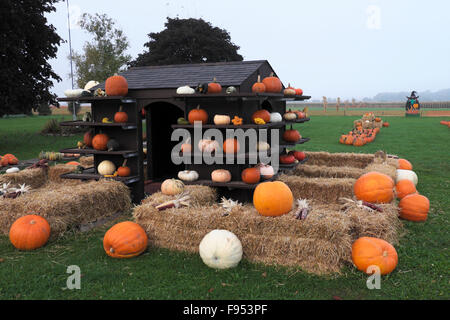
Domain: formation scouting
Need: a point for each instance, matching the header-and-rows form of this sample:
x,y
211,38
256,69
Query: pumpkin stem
x,y
111,250
385,253
33,222
198,106
120,108
124,163
259,78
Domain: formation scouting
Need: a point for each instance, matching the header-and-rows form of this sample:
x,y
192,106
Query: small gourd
x,y
172,187
12,170
185,90
289,91
275,117
188,175
221,119
221,175
231,90
290,116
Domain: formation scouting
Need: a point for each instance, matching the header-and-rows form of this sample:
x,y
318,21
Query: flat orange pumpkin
x,y
29,232
368,251
414,207
125,240
273,198
374,187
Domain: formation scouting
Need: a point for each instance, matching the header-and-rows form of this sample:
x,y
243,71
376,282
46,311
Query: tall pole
x,y
74,115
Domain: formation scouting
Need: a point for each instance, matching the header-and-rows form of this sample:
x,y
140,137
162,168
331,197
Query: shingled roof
x,y
173,76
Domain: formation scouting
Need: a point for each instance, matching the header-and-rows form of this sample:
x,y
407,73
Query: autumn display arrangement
x,y
333,210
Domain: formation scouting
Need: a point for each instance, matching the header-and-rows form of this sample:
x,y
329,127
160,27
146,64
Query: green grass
x,y
422,272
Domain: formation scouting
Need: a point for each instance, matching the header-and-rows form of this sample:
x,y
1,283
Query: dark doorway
x,y
160,116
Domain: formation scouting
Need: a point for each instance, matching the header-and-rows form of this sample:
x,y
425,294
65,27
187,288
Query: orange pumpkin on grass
x,y
116,86
29,232
405,187
369,251
374,187
273,198
125,240
9,159
414,207
404,164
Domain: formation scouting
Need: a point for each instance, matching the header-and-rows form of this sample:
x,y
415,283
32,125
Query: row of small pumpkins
x,y
261,116
114,86
270,84
375,187
359,137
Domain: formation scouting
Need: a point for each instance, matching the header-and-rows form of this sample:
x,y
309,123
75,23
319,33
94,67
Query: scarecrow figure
x,y
412,104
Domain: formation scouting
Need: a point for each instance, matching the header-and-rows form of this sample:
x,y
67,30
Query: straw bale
x,y
383,168
86,161
67,206
307,170
200,195
34,178
55,172
325,190
356,160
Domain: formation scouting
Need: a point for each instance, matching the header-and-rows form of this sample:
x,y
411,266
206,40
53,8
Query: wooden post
x,y
325,103
338,103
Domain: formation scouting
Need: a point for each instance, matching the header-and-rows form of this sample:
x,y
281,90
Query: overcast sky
x,y
345,48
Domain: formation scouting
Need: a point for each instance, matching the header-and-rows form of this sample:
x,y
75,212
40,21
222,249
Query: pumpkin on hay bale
x,y
67,207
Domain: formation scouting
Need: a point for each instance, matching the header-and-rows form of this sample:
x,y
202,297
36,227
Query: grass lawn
x,y
422,272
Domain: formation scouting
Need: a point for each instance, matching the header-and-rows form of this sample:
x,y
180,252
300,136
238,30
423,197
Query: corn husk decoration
x,y
302,210
229,205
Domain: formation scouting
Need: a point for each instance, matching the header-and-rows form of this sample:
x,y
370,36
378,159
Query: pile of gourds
x,y
374,188
8,159
365,131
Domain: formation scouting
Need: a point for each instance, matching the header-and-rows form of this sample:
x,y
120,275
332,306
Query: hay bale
x,y
86,161
55,172
391,171
318,244
67,206
34,178
307,170
323,190
356,160
200,196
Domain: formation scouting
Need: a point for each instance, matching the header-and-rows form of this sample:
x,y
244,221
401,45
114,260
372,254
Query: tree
x,y
27,43
105,55
188,41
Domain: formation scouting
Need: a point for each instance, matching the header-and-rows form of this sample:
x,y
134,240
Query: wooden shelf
x,y
285,144
231,184
125,126
123,153
297,121
93,176
93,99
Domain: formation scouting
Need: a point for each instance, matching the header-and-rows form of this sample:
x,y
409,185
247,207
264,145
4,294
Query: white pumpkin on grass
x,y
407,174
106,167
172,187
221,249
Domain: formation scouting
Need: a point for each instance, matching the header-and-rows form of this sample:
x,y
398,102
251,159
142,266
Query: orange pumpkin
x,y
405,187
350,139
369,251
3,161
121,116
116,86
259,86
73,163
273,84
263,114
374,187
125,240
124,171
198,115
385,124
221,175
342,138
87,138
298,92
359,141
29,232
231,146
9,159
273,198
404,164
100,141
291,135
251,175
414,207
214,87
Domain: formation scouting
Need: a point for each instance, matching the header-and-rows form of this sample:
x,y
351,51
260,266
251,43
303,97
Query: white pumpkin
x,y
188,175
12,170
208,145
266,171
262,146
91,84
221,249
275,117
185,90
172,187
73,93
106,167
407,174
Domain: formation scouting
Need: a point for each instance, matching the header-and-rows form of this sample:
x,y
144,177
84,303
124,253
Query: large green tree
x,y
188,41
105,54
27,42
